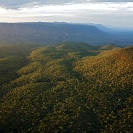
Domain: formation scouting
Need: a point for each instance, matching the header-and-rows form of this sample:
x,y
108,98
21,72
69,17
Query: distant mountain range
x,y
48,33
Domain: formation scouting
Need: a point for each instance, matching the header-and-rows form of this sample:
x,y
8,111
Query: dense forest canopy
x,y
66,87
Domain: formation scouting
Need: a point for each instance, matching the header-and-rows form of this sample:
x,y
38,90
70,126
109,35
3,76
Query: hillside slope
x,y
12,58
70,87
49,33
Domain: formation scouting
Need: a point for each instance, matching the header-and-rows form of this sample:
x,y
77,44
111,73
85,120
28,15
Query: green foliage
x,y
108,47
69,87
12,58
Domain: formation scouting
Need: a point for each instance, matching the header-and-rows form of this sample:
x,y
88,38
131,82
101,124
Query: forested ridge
x,y
47,33
66,87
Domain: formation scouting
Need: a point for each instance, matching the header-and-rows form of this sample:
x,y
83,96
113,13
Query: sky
x,y
106,12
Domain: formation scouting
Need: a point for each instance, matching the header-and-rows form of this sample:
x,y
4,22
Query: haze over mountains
x,y
65,77
49,33
65,67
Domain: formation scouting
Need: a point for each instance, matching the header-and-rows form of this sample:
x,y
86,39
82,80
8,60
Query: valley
x,y
66,87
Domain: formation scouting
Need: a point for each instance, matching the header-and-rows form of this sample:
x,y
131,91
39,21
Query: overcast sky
x,y
107,12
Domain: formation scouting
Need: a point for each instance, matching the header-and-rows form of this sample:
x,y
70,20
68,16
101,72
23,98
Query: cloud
x,y
22,3
70,9
111,0
15,4
97,11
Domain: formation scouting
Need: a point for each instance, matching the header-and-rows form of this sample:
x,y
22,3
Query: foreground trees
x,y
70,88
